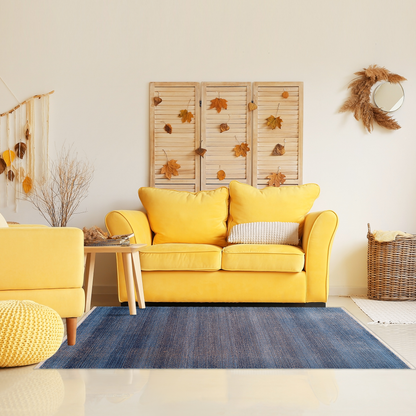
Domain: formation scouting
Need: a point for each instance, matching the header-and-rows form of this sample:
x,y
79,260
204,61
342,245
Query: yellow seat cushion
x,y
263,258
29,332
187,217
283,204
170,257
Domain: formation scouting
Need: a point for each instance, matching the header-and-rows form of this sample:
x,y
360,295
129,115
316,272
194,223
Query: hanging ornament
x,y
9,156
274,122
225,126
10,175
28,130
20,173
3,165
241,149
200,151
168,128
221,175
20,149
279,149
157,100
285,94
276,179
27,184
252,106
171,168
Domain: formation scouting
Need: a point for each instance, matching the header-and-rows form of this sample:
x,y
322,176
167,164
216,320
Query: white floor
x,y
219,392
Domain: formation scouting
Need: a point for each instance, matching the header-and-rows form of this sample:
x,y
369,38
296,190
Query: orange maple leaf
x,y
274,122
221,175
171,168
218,104
276,179
241,150
186,116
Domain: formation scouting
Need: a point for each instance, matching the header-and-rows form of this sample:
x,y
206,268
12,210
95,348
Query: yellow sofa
x,y
187,257
45,265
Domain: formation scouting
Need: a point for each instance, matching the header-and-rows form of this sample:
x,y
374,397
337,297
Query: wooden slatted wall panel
x,y
267,96
220,154
185,137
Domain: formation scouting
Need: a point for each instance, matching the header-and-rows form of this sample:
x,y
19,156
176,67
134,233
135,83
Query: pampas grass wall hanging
x,y
359,100
24,147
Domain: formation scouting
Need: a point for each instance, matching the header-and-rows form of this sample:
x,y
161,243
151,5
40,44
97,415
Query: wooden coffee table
x,y
132,272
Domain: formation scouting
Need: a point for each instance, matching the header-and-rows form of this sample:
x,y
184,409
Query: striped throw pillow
x,y
265,233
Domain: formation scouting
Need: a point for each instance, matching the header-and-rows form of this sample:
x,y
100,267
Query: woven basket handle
x,y
369,228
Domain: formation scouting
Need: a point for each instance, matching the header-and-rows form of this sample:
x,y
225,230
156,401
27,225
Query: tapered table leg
x,y
128,274
137,275
88,279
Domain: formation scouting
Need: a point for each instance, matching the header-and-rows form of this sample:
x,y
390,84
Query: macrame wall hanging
x,y
24,147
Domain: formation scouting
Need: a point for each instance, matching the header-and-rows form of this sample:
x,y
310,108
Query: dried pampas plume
x,y
359,100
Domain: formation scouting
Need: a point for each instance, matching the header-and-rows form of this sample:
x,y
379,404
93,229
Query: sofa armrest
x,y
41,258
318,236
126,222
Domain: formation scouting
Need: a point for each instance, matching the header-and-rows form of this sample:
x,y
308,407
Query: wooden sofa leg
x,y
71,330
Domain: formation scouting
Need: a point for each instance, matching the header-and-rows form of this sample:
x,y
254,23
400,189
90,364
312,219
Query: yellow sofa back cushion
x,y
187,217
284,204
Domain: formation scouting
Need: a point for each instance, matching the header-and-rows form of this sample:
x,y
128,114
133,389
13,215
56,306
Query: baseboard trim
x,y
347,291
236,304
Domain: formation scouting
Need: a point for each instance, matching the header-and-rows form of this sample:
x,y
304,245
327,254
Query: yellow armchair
x,y
45,265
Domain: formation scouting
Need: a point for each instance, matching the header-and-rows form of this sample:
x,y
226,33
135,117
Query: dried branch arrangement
x,y
58,197
359,101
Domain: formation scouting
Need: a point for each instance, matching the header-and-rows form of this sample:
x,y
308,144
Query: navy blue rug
x,y
223,337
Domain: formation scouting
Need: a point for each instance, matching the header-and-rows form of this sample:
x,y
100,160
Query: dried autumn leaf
x,y
186,116
241,150
20,149
3,165
9,156
200,151
27,185
279,150
171,168
157,101
276,179
10,175
221,175
285,94
252,106
224,127
274,122
168,128
218,104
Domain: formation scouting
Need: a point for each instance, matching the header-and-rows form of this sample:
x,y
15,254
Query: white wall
x,y
99,57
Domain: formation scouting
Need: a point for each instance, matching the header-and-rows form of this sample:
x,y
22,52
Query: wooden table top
x,y
113,249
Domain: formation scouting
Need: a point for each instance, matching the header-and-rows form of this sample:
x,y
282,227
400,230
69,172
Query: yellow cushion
x,y
263,258
284,204
3,222
29,333
180,257
187,217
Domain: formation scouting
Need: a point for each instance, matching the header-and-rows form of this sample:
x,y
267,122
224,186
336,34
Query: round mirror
x,y
389,97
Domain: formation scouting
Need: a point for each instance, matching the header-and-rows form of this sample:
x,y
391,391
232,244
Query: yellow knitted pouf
x,y
29,332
